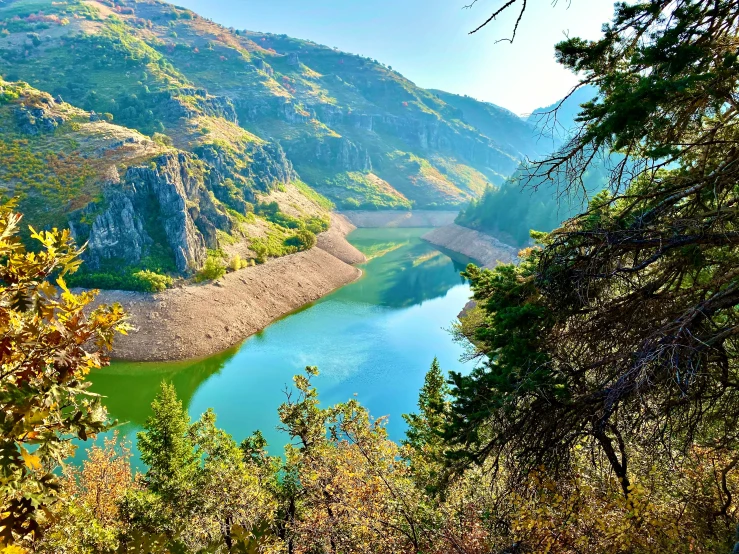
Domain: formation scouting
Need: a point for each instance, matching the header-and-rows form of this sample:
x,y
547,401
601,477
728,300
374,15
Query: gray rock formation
x,y
170,184
33,120
261,65
116,234
335,152
175,201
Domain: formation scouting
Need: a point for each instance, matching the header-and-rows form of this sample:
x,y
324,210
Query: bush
x,y
152,281
317,225
302,240
237,262
136,280
161,138
271,212
213,269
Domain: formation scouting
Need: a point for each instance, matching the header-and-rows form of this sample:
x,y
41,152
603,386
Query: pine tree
x,y
427,427
619,331
167,505
167,448
425,434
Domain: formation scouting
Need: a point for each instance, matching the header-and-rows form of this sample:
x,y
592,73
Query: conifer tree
x,y
620,329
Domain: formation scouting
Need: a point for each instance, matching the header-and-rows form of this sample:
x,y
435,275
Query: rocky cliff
x,y
179,198
140,203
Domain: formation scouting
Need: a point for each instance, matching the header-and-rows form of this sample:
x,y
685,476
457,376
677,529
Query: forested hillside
x,y
531,199
356,130
601,416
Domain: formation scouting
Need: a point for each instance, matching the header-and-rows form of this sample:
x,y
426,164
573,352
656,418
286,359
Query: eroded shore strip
x,y
200,320
488,250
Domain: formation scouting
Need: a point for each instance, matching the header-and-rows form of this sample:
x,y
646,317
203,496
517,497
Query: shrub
x,y
317,225
213,269
237,262
49,345
152,281
132,279
302,240
161,138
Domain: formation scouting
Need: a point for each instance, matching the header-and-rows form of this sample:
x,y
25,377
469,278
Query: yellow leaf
x,y
60,281
31,460
12,549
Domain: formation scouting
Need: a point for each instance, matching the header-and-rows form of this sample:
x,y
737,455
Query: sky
x,y
428,40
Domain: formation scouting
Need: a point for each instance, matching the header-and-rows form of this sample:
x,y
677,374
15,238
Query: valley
x,y
263,295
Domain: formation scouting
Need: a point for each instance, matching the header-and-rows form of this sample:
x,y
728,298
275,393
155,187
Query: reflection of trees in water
x,y
129,388
402,277
418,276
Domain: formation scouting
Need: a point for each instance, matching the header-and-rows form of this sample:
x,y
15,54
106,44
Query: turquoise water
x,y
374,338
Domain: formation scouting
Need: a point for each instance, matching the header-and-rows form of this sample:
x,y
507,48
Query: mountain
x,y
511,210
179,134
558,120
142,204
354,129
494,121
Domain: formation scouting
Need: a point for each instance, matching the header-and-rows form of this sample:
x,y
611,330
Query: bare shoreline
x,y
196,321
486,249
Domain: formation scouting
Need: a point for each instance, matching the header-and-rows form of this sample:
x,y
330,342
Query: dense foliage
x,y
342,485
617,333
602,417
524,203
48,344
530,199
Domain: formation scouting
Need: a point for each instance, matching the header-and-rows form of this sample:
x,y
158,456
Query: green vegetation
x,y
533,199
171,73
213,269
319,199
528,202
615,334
602,415
286,234
141,280
49,344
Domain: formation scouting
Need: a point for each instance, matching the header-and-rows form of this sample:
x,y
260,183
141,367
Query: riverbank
x,y
486,249
199,320
395,218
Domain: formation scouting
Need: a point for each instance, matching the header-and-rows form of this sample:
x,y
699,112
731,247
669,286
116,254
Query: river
x,y
374,338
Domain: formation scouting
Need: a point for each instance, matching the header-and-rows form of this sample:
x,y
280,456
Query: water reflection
x,y
129,388
404,271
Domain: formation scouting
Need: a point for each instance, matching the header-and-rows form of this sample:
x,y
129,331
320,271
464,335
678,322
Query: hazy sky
x,y
427,40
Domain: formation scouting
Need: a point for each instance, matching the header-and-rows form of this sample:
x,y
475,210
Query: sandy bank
x,y
200,320
394,218
488,250
334,241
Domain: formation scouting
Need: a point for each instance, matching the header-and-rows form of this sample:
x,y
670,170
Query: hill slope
x,y
355,130
143,204
519,205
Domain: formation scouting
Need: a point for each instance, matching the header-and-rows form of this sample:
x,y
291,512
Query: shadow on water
x,y
129,388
